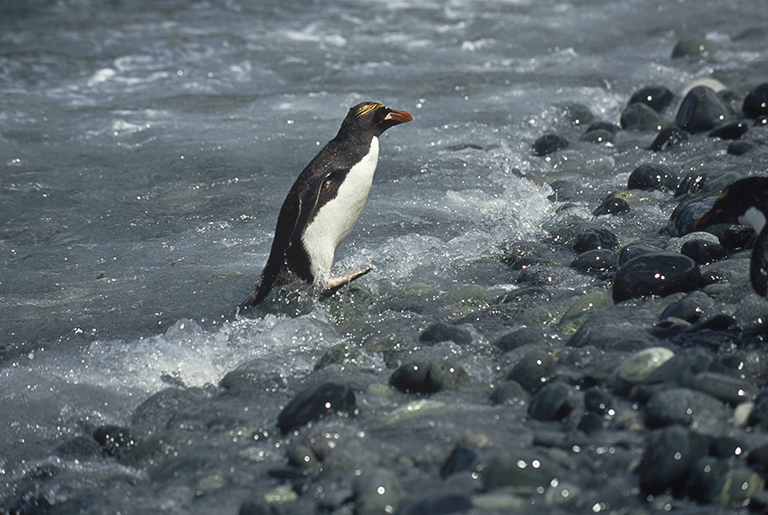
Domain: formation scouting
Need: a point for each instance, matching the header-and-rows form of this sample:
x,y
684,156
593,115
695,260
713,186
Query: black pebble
x,y
426,377
762,121
756,102
668,137
510,392
691,183
758,458
595,262
548,144
440,332
253,508
114,440
612,206
640,117
740,147
704,252
655,97
440,503
81,447
553,402
668,458
733,130
634,250
604,126
692,46
533,370
651,177
577,114
598,401
690,308
314,403
702,110
660,273
599,137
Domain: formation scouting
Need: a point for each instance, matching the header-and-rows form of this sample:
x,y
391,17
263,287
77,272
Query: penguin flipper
x,y
758,264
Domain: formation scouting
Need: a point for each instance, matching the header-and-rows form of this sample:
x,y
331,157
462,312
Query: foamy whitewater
x,y
146,148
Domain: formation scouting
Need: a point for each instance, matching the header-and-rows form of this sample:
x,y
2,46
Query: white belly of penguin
x,y
335,220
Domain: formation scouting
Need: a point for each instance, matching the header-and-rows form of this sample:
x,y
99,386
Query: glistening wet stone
x,y
612,206
533,370
441,332
756,102
733,130
668,458
314,403
657,98
548,144
652,177
668,137
428,377
640,117
661,273
702,110
684,407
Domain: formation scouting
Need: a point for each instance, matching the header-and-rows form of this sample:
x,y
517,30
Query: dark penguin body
x,y
325,202
745,202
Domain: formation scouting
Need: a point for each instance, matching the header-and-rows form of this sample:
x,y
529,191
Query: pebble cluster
x,y
644,392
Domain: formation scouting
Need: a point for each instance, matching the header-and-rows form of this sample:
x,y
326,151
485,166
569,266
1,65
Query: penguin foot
x,y
337,282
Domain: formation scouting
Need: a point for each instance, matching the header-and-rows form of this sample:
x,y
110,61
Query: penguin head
x,y
372,117
743,202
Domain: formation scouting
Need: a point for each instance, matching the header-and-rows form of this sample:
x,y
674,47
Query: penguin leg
x,y
337,282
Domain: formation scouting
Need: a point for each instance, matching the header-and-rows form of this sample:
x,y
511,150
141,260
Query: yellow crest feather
x,y
367,108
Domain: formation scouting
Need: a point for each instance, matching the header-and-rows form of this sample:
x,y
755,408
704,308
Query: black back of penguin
x,y
294,255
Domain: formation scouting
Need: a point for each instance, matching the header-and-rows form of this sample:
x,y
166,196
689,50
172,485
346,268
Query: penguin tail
x,y
258,294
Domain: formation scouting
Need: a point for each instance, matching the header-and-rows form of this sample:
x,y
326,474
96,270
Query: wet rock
x,y
651,177
114,440
510,393
612,206
598,137
577,114
516,468
376,492
677,244
668,137
427,377
533,370
668,458
702,110
690,308
733,130
548,144
599,402
686,214
757,458
595,262
692,47
657,98
581,310
726,447
640,117
537,275
758,417
253,508
684,407
691,183
634,250
438,503
253,375
553,402
704,252
440,332
762,121
609,334
736,486
314,403
524,336
80,447
756,102
595,239
604,126
153,415
661,273
703,475
641,364
741,147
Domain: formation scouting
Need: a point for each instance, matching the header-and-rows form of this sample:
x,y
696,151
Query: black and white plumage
x,y
325,202
745,202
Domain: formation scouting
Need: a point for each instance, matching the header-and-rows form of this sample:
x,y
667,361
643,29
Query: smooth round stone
x,y
339,354
668,137
114,440
426,377
553,402
517,468
440,332
757,458
662,274
80,447
640,365
590,423
702,110
726,447
612,206
439,503
702,477
604,126
510,393
704,252
732,390
683,367
595,239
690,308
634,250
762,121
640,117
599,137
684,407
523,336
651,177
741,147
472,295
253,375
656,97
253,508
595,262
736,486
668,458
376,491
759,414
733,130
756,102
577,114
315,403
537,275
676,244
587,303
533,370
691,183
692,47
548,144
